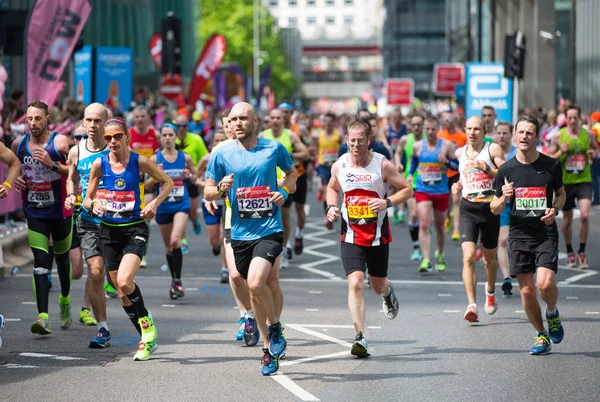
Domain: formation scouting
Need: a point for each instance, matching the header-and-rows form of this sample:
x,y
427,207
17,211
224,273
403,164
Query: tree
x,y
234,20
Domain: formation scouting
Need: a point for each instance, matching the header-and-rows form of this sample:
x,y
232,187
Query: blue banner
x,y
114,77
486,85
83,75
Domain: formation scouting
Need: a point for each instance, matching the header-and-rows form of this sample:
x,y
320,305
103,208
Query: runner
x,y
43,155
245,171
574,147
395,130
361,176
404,153
532,182
478,167
144,141
449,132
173,213
80,162
430,159
123,236
300,155
192,145
488,114
504,139
326,141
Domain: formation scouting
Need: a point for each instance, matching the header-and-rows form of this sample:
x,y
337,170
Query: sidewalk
x,y
14,248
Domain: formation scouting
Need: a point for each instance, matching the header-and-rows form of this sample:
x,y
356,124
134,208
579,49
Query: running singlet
x,y
360,225
286,140
395,135
459,138
46,190
575,162
123,193
85,160
255,177
477,185
193,145
328,147
511,153
432,175
145,145
178,199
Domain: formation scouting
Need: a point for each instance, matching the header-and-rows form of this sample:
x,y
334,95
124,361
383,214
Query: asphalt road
x,y
428,353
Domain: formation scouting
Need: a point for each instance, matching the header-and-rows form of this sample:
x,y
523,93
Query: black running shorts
x,y
526,256
476,218
193,190
89,233
244,251
363,258
116,241
581,191
300,195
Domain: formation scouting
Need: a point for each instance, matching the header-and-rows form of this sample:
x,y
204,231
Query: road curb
x,y
15,250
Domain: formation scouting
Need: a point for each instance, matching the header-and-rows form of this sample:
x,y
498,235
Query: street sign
x,y
400,91
486,85
446,76
171,87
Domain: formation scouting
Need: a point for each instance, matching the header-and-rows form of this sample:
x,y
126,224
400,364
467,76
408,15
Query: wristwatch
x,y
219,188
556,211
487,168
55,166
388,202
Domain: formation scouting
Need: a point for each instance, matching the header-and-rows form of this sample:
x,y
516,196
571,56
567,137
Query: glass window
x,y
330,2
349,2
292,3
330,20
310,2
292,21
311,20
273,3
348,20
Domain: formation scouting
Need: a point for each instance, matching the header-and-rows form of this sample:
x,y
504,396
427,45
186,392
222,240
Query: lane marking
x,y
224,290
54,357
204,288
13,366
294,388
324,258
214,289
194,289
319,335
451,311
168,305
372,327
519,312
572,298
12,319
315,292
28,303
313,358
331,326
312,309
444,295
592,312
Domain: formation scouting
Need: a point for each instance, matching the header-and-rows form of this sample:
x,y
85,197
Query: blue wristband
x,y
284,193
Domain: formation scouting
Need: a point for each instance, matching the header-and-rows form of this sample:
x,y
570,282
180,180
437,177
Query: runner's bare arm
x,y
72,179
593,151
560,196
499,203
93,183
554,148
62,146
300,151
333,194
194,177
400,153
202,166
166,184
20,182
497,156
290,180
14,168
149,183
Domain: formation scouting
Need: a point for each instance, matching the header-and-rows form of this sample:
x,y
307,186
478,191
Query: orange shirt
x,y
459,138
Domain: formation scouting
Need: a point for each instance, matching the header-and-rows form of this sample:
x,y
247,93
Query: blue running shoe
x,y
277,342
241,325
49,281
251,332
555,328
197,226
270,363
101,340
542,344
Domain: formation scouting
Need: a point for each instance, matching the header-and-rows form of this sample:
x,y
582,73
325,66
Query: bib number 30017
x,y
254,202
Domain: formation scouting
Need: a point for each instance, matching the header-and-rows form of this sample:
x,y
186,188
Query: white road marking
x,y
372,327
576,278
572,298
444,295
168,305
312,309
12,319
451,311
330,326
307,331
592,312
191,288
313,358
315,292
28,303
294,388
324,258
54,357
13,366
519,312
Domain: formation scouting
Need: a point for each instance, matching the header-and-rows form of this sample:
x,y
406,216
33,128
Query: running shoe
x,y
425,265
145,349
1,328
288,253
224,275
251,333
197,226
478,252
270,363
65,311
583,264
42,325
110,291
86,317
148,329
390,304
542,344
555,328
571,260
177,291
277,342
144,262
101,340
216,251
185,250
440,264
283,260
507,286
455,235
319,196
416,254
471,314
448,225
360,346
491,304
298,245
241,322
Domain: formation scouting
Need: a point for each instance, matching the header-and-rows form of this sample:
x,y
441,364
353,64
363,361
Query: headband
x,y
115,120
285,105
170,125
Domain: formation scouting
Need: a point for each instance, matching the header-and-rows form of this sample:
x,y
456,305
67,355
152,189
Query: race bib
x,y
359,212
40,195
119,204
478,186
575,163
329,156
530,201
254,202
431,175
178,191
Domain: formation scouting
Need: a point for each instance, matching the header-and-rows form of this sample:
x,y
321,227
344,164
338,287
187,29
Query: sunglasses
x,y
80,137
116,137
181,125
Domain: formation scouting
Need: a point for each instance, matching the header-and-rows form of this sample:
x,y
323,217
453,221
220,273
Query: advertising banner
x,y
446,76
83,75
486,85
400,92
114,76
209,61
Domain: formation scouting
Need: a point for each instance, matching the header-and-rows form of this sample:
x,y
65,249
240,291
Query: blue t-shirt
x,y
254,175
375,146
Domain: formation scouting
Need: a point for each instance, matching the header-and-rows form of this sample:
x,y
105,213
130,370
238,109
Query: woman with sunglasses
x,y
123,231
172,214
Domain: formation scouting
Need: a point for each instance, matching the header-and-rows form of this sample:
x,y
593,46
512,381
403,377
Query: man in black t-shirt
x,y
532,182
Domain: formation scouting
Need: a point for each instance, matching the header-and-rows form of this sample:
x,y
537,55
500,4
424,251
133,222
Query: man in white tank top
x,y
478,165
362,176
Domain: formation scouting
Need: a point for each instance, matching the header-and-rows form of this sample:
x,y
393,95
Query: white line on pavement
x,y
313,358
315,292
168,305
307,331
519,312
294,388
55,357
191,289
444,295
330,326
592,312
13,366
12,319
572,298
451,311
28,302
312,309
321,242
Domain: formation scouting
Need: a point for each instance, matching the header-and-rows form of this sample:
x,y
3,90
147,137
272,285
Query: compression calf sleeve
x,y
138,301
41,288
177,259
131,312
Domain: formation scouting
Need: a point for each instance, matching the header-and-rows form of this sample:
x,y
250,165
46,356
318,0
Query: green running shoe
x,y
416,254
42,325
425,266
65,311
86,317
110,291
148,329
144,351
360,346
441,262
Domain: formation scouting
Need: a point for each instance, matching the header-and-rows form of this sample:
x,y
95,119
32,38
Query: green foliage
x,y
234,20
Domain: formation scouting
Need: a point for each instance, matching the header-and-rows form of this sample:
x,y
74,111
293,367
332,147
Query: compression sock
x,y
581,248
138,301
133,317
177,259
569,248
414,233
170,264
41,288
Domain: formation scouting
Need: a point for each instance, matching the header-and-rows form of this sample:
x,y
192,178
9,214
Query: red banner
x,y
155,47
446,76
53,27
400,92
209,61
